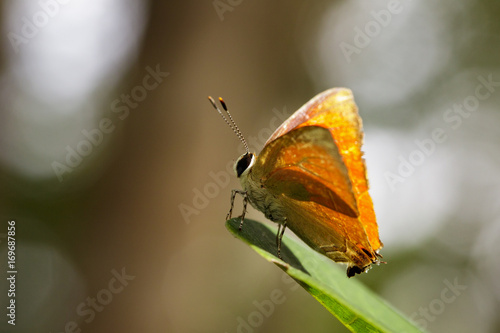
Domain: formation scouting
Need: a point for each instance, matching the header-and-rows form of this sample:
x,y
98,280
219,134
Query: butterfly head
x,y
243,165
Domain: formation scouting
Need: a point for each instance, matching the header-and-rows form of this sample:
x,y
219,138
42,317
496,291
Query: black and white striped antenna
x,y
230,123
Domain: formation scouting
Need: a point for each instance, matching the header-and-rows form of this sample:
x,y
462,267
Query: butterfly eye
x,y
243,163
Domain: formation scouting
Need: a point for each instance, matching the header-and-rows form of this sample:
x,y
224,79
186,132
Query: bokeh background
x,y
112,161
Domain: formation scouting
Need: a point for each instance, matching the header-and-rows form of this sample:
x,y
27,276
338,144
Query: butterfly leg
x,y
279,236
245,201
233,195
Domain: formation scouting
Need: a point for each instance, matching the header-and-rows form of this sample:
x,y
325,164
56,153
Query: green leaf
x,y
356,306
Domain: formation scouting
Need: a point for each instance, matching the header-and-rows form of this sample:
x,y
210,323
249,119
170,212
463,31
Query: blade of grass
x,y
356,306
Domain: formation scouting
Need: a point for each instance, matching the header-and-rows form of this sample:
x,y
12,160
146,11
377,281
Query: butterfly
x,y
310,177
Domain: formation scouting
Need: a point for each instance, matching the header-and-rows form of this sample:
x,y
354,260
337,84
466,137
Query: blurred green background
x,y
114,165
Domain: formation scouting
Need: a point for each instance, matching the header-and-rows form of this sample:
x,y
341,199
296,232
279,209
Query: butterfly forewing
x,y
336,110
305,165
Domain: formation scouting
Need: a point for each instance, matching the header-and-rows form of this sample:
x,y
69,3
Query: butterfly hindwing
x,y
304,170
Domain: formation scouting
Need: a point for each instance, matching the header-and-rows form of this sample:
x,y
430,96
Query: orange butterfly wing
x,y
303,170
305,165
336,110
314,163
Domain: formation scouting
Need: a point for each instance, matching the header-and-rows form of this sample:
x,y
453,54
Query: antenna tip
x,y
223,103
212,101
